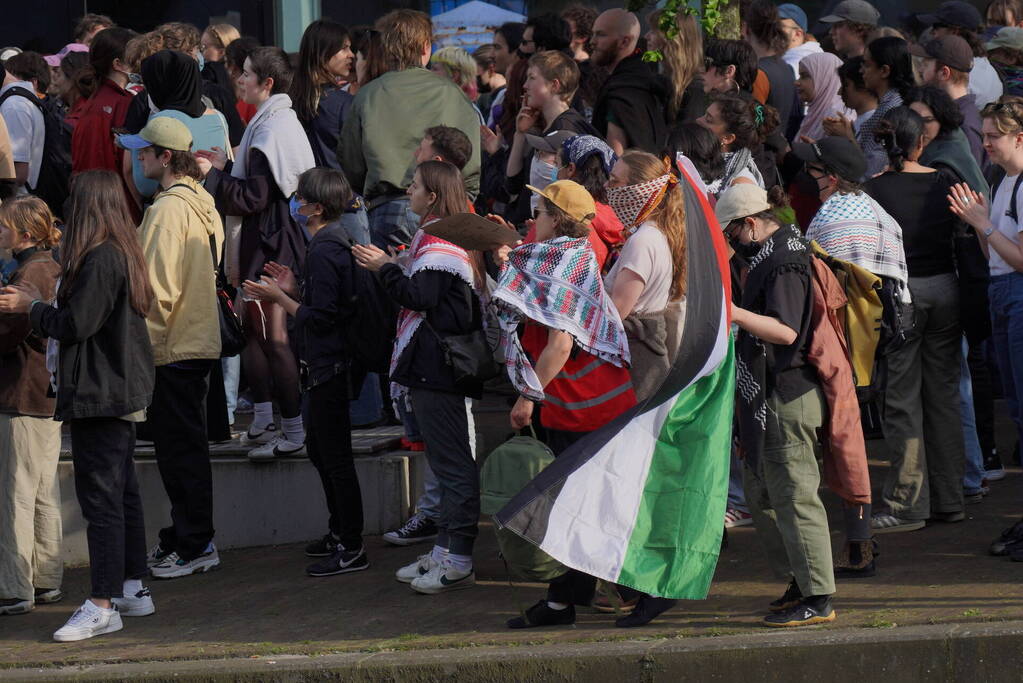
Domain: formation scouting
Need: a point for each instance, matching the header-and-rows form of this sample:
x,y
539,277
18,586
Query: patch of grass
x,y
881,619
973,612
406,637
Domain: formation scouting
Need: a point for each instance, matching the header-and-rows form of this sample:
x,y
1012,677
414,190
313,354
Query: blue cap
x,y
793,12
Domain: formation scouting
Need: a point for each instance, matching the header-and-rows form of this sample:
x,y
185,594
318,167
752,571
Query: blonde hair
x,y
141,47
459,66
223,34
1007,113
669,216
29,214
404,33
683,56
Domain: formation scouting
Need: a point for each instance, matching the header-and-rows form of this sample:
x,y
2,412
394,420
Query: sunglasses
x,y
1008,107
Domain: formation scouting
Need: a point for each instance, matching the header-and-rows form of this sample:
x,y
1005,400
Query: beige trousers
x,y
30,525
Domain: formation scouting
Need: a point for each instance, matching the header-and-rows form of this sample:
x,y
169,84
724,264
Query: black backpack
x,y
54,183
370,335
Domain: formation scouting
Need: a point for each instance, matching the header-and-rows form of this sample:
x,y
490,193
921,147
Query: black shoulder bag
x,y
232,338
468,355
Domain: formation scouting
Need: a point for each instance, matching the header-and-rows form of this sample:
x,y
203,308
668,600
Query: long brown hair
x,y
683,56
99,214
670,214
29,214
445,180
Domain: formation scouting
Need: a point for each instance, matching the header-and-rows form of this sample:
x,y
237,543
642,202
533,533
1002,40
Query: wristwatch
x,y
990,231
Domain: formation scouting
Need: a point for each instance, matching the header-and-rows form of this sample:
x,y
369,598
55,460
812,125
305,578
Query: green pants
x,y
782,495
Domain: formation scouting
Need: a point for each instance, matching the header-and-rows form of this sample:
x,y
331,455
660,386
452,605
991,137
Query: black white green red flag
x,y
641,501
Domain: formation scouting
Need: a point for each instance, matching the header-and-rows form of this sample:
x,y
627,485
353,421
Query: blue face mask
x,y
554,173
294,205
202,62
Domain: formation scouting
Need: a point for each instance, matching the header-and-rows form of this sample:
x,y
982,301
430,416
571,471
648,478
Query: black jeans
x,y
177,424
445,421
329,443
108,492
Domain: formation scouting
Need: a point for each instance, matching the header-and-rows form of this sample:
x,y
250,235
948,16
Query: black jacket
x,y
447,302
634,98
106,363
327,295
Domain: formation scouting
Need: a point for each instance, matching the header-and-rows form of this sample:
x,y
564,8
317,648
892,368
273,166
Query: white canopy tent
x,y
470,25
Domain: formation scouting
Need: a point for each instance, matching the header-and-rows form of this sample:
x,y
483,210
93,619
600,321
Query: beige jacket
x,y
183,321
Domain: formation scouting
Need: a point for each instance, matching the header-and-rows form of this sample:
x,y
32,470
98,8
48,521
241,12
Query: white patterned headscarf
x,y
633,204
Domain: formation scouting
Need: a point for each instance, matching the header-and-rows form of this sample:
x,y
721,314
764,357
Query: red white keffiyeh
x,y
633,204
426,253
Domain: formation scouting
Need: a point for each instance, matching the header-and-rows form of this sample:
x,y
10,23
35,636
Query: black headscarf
x,y
172,81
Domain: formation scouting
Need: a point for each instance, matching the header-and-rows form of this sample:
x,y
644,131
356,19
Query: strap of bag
x,y
1012,212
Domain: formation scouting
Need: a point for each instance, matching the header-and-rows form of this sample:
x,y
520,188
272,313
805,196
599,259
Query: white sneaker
x,y
420,567
88,621
443,578
260,436
156,555
174,567
138,605
279,447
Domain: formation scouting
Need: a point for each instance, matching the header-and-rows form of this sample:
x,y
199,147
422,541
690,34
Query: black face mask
x,y
746,251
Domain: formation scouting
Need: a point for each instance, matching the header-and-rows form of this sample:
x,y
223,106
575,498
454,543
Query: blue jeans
x,y
1006,299
368,407
356,224
392,223
974,457
232,367
736,493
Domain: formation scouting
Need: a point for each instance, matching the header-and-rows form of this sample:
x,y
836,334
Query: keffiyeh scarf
x,y
556,283
735,163
426,253
854,228
785,249
633,204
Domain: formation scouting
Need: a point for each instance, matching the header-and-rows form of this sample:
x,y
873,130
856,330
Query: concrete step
x,y
261,504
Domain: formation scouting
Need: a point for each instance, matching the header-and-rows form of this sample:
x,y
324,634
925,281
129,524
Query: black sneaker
x,y
416,530
542,615
786,602
341,562
806,613
1010,540
324,547
647,609
45,596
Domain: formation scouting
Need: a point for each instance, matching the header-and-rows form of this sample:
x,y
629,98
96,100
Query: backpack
x,y
506,471
371,337
54,183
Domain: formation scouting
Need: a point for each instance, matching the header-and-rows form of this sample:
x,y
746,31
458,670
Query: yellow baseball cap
x,y
162,131
570,197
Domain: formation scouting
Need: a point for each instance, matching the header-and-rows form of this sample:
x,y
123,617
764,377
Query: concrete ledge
x,y
986,652
257,504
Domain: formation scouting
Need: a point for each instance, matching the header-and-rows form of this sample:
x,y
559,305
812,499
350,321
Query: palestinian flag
x,y
641,501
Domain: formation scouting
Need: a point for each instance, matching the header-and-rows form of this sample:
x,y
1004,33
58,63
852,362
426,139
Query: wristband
x,y
990,231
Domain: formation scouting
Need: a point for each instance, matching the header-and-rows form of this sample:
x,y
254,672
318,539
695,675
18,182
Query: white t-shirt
x,y
984,82
27,130
647,254
1004,224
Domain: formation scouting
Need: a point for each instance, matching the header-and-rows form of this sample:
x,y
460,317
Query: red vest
x,y
586,394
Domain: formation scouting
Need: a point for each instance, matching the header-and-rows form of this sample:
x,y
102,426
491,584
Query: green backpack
x,y
506,471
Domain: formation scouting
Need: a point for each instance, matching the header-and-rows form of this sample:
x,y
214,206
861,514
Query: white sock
x,y
294,430
460,563
558,606
262,415
131,587
438,554
90,606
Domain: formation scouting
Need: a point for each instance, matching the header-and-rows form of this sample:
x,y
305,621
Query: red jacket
x,y
92,143
845,451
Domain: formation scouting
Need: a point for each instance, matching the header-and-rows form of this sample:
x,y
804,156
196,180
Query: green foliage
x,y
668,23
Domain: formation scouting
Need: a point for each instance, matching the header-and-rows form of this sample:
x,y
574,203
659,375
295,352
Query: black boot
x,y
647,609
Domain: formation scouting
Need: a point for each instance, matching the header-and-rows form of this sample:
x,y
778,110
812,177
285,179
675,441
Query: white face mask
x,y
540,173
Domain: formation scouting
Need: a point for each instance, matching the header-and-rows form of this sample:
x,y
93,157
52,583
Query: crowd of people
x,y
200,226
